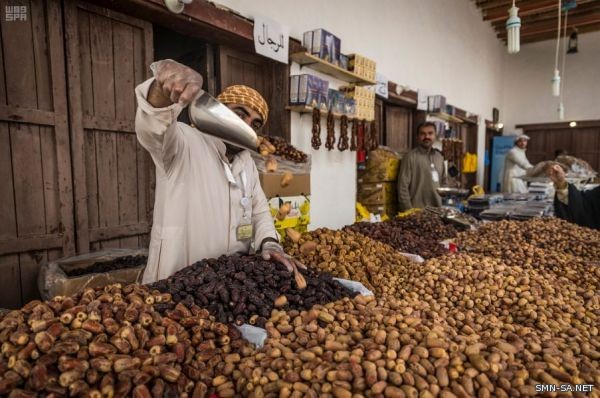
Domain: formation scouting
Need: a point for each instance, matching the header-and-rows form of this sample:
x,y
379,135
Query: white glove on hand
x,y
273,251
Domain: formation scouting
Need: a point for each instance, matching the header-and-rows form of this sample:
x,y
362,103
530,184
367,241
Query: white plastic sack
x,y
356,287
253,334
414,257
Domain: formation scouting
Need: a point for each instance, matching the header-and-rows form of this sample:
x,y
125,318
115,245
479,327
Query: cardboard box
x,y
323,44
53,280
312,91
382,166
271,185
377,193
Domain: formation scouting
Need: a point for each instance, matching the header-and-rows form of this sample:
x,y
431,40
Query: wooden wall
x,y
74,177
36,223
582,141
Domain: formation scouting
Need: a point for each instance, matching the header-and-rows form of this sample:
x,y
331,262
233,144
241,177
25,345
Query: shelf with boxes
x,y
308,92
318,64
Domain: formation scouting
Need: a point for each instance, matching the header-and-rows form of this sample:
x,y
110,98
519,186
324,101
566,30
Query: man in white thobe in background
x,y
516,165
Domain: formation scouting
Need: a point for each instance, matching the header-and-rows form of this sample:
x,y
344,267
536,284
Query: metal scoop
x,y
213,118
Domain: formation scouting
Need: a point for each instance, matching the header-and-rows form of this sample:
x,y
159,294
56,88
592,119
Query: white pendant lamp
x,y
556,77
513,28
561,111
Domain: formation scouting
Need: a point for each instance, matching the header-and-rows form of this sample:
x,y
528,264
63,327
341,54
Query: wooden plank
x,y
50,180
30,263
17,47
61,131
108,192
8,221
127,184
26,115
10,283
91,179
537,28
28,182
103,80
77,132
107,13
106,233
3,100
143,168
106,124
85,64
32,243
43,78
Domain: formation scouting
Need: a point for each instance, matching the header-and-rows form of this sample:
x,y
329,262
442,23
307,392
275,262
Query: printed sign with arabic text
x,y
271,39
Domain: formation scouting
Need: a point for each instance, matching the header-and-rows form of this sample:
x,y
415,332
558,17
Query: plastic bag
x,y
253,334
53,280
354,286
414,257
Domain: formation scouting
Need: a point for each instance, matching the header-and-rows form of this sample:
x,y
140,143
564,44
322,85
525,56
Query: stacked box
x,y
362,66
308,90
323,44
336,101
377,193
364,101
377,185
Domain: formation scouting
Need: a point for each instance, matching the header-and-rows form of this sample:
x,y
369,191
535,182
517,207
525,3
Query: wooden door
x,y
537,147
108,54
269,78
586,145
380,121
36,223
398,128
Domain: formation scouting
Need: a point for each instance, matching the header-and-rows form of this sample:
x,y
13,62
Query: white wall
x,y
527,96
442,46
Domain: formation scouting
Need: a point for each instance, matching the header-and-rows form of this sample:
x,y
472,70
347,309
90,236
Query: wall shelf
x,y
309,109
446,117
316,63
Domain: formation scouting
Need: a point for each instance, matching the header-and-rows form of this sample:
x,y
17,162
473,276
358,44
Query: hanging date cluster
x,y
316,129
343,141
330,142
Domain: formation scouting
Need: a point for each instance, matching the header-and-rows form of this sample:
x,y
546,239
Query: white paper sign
x,y
422,97
381,87
271,39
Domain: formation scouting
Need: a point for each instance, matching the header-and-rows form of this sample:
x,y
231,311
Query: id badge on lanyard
x,y
434,174
244,231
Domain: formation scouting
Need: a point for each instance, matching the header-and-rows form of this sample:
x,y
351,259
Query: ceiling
x,y
539,18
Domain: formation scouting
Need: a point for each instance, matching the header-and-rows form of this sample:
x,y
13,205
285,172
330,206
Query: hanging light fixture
x,y
561,108
573,42
513,28
556,77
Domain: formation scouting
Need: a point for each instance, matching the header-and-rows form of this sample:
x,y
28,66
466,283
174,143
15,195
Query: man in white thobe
x,y
209,201
515,166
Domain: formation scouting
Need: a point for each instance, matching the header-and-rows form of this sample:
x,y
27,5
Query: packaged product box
x,y
436,103
323,44
294,89
312,90
378,193
336,101
344,61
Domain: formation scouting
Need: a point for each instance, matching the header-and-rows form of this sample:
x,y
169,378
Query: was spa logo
x,y
14,13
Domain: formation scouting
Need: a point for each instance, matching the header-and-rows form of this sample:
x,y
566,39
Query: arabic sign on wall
x,y
271,39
